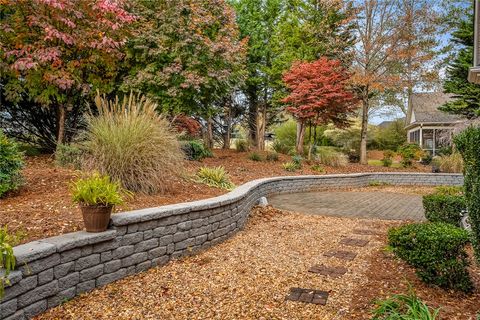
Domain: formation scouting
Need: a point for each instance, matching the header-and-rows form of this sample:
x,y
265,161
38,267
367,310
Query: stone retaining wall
x,y
52,270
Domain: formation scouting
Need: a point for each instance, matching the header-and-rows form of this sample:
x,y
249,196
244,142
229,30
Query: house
x,y
474,72
427,126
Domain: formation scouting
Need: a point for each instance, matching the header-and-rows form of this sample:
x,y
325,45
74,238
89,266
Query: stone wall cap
x,y
78,239
31,251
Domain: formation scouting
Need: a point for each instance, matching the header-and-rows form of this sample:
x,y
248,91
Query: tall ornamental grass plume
x,y
130,142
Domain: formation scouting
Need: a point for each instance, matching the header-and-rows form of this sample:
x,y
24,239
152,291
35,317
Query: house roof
x,y
423,108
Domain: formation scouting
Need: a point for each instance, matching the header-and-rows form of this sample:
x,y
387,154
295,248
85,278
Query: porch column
x,y
434,142
421,137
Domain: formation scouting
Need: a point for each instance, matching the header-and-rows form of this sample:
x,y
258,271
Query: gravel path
x,y
246,277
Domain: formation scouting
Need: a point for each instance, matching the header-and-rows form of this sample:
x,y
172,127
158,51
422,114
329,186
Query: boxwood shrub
x,y
444,208
436,250
11,164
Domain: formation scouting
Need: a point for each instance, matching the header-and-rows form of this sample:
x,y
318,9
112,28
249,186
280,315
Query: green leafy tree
x,y
466,94
55,52
185,55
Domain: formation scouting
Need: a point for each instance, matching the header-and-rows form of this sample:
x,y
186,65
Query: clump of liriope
x,y
215,177
132,143
7,259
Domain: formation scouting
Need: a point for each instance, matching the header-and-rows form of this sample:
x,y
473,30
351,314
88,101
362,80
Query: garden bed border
x,y
52,270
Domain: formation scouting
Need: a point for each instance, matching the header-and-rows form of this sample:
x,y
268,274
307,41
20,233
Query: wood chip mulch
x,y
246,277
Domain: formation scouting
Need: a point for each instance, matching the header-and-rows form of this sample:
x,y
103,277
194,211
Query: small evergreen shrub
x,y
69,156
404,307
242,145
129,141
195,150
11,164
290,166
297,160
329,156
97,190
387,159
255,156
436,250
409,153
444,208
272,156
449,163
215,177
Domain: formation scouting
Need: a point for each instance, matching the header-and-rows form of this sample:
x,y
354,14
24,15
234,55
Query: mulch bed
x,y
43,207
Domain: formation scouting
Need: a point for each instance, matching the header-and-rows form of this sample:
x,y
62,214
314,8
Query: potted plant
x,y
97,195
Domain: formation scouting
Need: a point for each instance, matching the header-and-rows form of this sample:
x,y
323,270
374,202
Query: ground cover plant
x,y
11,164
255,156
436,250
130,142
215,177
404,307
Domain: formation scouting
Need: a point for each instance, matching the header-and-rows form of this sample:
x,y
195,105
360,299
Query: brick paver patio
x,y
376,205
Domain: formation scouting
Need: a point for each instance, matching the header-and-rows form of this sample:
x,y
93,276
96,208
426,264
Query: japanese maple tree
x,y
319,94
54,51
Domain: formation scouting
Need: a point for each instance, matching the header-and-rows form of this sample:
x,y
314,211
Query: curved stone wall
x,y
55,269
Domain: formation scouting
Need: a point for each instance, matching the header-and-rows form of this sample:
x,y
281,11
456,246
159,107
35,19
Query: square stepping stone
x,y
340,254
328,271
307,296
367,232
352,242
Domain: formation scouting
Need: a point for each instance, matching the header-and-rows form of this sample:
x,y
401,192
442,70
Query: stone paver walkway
x,y
376,205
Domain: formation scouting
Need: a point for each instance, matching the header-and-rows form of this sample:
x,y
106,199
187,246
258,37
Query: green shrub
x,y
449,190
404,307
29,150
444,208
130,142
69,156
449,163
285,137
195,150
329,156
11,164
7,259
282,148
290,166
468,144
255,156
97,190
409,153
388,158
242,145
436,250
272,156
297,160
215,177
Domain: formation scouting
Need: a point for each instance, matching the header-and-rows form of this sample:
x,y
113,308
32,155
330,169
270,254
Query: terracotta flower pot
x,y
96,217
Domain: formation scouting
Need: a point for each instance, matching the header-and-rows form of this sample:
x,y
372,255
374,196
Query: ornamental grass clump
x,y
330,157
452,163
215,177
404,307
130,142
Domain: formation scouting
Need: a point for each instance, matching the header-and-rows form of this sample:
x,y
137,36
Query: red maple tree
x,y
319,94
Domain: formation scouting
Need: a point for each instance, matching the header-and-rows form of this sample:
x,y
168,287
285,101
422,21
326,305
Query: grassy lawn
x,y
380,164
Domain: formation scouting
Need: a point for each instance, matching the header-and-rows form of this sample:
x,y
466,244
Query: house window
x,y
415,136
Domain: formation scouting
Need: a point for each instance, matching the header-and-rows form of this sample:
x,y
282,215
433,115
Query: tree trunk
x,y
261,126
228,128
300,137
62,116
252,114
363,134
209,133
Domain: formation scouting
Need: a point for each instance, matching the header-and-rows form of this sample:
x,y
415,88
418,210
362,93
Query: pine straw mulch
x,y
249,275
43,207
246,277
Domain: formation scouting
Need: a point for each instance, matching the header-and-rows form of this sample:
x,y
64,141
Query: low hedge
x,y
444,208
436,250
